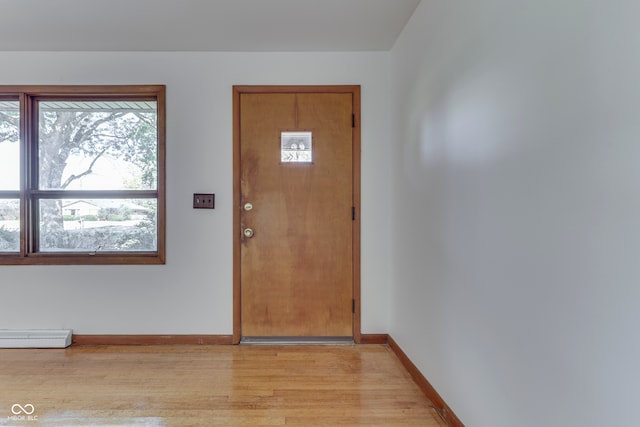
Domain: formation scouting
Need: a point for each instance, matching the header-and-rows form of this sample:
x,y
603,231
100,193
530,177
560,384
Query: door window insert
x,y
296,147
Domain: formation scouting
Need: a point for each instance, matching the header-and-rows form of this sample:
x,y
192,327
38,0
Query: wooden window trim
x,y
27,94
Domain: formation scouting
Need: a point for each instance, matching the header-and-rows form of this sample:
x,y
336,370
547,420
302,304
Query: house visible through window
x,y
82,174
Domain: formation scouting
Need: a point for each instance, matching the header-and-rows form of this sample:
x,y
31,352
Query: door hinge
x,y
353,120
353,306
353,213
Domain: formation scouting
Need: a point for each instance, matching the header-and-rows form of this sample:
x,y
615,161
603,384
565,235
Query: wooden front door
x,y
296,211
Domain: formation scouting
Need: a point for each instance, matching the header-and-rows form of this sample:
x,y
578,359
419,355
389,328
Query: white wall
x,y
517,208
192,293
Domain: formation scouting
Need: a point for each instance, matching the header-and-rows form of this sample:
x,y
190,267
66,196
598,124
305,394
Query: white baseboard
x,y
35,338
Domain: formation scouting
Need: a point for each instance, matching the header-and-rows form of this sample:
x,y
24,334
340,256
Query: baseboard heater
x,y
35,338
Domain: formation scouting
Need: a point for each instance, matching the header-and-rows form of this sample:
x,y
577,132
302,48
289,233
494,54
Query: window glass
x,y
98,225
97,145
295,147
9,145
9,225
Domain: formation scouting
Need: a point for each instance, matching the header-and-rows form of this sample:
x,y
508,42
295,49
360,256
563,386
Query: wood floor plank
x,y
184,385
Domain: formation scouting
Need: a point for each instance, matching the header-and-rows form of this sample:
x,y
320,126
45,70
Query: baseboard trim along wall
x,y
184,339
152,339
438,403
373,339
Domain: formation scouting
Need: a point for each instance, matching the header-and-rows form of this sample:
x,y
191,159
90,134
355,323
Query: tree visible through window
x,y
90,185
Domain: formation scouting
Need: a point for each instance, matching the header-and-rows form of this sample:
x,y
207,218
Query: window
x,y
82,174
295,147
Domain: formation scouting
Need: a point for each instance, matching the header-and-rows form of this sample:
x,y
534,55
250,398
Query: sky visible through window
x,y
108,173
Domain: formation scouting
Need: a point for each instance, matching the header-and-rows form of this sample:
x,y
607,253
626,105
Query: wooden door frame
x,y
238,90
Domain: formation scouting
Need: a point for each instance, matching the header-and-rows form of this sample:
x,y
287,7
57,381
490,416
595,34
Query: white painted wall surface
x,y
517,209
192,293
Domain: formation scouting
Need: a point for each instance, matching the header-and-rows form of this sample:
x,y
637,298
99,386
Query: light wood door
x,y
296,217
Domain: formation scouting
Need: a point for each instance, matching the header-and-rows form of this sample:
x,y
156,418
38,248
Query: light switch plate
x,y
204,200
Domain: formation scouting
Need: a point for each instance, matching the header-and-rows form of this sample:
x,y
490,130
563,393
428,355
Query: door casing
x,y
356,170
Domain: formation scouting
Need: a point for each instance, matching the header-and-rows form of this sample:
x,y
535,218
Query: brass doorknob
x,y
248,232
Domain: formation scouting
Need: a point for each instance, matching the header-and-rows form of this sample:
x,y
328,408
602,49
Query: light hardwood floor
x,y
363,385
